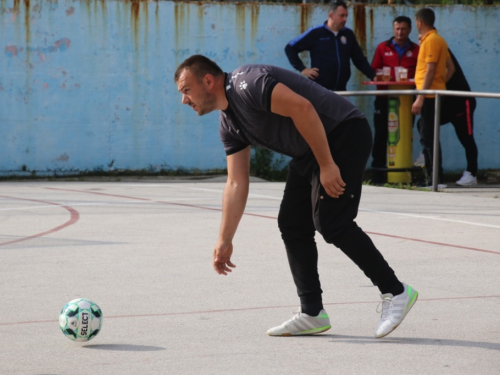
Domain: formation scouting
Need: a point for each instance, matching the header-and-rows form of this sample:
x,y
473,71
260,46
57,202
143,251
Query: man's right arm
x,y
233,205
296,46
292,51
293,56
430,72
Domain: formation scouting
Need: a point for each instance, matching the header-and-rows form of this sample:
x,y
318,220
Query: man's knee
x,y
426,132
337,235
283,224
294,229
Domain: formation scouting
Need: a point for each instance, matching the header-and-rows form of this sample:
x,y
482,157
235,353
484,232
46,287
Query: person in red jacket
x,y
397,51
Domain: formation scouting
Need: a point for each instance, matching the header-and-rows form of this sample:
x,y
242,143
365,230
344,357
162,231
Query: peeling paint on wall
x,y
360,24
305,17
87,84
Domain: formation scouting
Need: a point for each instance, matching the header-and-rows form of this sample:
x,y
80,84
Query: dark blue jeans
x,y
306,208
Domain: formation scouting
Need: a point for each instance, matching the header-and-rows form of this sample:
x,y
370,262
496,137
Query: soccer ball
x,y
80,320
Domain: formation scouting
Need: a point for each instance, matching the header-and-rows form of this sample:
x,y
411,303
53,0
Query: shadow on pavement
x,y
413,341
124,347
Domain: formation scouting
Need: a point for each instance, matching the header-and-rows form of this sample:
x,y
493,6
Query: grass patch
x,y
268,165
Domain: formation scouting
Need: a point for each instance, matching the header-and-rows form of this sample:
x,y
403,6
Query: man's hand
x,y
286,102
222,258
416,108
311,73
430,73
332,180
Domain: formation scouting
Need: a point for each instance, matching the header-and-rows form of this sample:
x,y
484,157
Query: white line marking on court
x,y
258,196
221,191
368,210
264,196
431,218
180,186
51,206
101,204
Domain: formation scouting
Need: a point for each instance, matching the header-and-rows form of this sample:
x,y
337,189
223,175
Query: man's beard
x,y
207,105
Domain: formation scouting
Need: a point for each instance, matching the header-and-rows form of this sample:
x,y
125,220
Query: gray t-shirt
x,y
248,120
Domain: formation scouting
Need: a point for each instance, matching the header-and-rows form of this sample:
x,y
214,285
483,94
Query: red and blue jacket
x,y
387,55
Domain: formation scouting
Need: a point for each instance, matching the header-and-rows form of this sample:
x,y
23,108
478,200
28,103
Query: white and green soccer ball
x,y
80,320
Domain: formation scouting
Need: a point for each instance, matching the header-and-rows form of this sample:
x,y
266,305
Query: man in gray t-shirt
x,y
329,141
249,89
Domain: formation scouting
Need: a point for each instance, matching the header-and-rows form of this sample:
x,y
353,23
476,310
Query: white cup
x,y
397,69
403,75
387,73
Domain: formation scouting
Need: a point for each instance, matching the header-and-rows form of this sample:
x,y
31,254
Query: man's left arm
x,y
287,103
378,58
360,61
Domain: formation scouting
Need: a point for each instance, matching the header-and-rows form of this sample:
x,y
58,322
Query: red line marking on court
x,y
288,306
244,309
436,243
155,201
275,218
74,217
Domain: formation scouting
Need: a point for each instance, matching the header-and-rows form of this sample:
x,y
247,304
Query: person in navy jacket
x,y
331,46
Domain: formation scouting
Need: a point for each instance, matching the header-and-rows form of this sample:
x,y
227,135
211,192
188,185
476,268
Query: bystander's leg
x,y
379,151
464,128
426,131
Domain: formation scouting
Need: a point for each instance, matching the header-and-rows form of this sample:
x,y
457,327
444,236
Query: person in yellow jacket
x,y
434,68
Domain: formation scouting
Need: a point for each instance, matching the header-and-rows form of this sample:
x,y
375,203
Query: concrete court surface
x,y
142,251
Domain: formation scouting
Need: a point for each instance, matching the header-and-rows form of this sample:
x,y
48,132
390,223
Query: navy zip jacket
x,y
330,54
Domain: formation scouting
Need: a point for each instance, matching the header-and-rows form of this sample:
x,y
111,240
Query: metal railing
x,y
438,94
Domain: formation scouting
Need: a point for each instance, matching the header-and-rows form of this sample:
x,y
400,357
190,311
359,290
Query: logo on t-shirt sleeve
x,y
243,85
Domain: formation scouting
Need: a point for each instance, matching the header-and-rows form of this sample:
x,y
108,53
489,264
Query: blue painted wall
x,y
87,85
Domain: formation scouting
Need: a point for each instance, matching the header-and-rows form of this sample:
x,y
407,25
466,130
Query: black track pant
x,y
426,131
462,119
306,208
379,151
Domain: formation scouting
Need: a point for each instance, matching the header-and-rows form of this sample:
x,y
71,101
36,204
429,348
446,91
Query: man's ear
x,y
209,80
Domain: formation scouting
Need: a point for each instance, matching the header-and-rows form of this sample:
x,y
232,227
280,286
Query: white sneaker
x,y
302,324
467,179
420,161
440,187
394,310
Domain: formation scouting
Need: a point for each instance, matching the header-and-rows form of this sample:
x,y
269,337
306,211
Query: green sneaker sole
x,y
308,332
